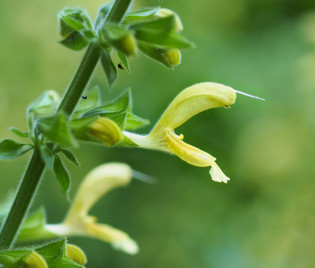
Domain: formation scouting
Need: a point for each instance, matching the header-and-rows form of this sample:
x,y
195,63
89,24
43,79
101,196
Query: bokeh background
x,y
264,217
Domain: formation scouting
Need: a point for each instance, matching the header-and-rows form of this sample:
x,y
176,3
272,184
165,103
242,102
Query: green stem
x,y
23,200
80,79
31,179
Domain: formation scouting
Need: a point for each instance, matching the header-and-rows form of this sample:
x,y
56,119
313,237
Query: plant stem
x,y
31,179
80,79
23,200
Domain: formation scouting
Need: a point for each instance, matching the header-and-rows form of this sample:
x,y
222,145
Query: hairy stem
x,y
32,177
23,200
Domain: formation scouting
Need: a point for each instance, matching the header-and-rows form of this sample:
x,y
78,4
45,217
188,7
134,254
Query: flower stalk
x,y
31,179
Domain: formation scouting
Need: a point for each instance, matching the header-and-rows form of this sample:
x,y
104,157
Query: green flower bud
x,y
76,254
34,260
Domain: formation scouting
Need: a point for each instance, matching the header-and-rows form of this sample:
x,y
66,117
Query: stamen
x,y
181,136
143,177
248,95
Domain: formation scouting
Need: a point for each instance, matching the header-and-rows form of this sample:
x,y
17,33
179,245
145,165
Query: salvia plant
x,y
57,124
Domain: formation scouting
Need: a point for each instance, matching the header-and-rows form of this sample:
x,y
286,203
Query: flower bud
x,y
105,131
98,129
164,12
76,254
174,56
34,260
128,45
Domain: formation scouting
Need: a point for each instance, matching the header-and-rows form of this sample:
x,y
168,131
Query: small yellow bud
x,y
76,254
174,56
34,260
105,131
129,45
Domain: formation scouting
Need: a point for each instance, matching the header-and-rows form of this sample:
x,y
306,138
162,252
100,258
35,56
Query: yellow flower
x,y
97,183
189,102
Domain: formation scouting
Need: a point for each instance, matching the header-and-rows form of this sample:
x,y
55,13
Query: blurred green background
x,y
264,217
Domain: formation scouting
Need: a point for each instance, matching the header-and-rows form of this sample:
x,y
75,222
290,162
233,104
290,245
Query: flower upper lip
x,y
189,102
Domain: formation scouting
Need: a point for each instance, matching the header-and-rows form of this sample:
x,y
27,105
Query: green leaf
x,y
56,128
108,67
62,175
134,122
73,19
10,149
12,258
124,60
33,227
120,120
70,156
55,255
79,126
92,101
139,15
75,41
155,52
46,155
102,13
161,31
118,37
45,104
20,133
114,108
53,250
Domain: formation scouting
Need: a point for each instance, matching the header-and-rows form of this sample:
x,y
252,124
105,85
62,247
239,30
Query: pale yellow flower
x,y
97,183
189,102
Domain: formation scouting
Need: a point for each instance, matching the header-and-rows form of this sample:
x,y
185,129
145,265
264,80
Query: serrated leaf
x,y
22,134
46,155
124,60
12,258
62,175
10,149
102,13
108,67
70,156
75,41
140,15
134,122
155,52
161,31
56,128
114,108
